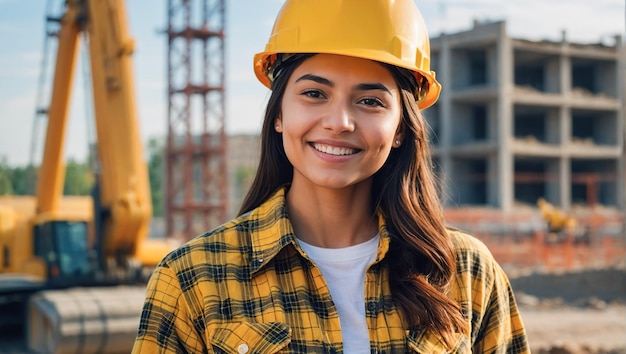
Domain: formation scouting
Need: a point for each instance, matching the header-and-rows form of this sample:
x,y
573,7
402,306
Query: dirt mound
x,y
568,349
581,288
582,312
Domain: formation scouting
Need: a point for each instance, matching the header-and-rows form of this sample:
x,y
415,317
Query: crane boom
x,y
124,196
124,183
50,189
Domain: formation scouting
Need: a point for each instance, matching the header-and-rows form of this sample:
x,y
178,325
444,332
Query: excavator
x,y
73,269
560,226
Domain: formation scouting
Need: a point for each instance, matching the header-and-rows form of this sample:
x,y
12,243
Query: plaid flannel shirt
x,y
247,287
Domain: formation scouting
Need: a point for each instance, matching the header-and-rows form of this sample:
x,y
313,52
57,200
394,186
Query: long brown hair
x,y
274,170
421,257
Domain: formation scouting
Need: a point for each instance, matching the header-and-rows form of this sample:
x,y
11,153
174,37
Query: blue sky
x,y
249,23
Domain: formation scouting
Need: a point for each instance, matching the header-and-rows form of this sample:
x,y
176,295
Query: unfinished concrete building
x,y
520,120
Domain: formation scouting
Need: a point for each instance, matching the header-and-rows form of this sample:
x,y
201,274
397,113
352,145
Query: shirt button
x,y
242,348
372,307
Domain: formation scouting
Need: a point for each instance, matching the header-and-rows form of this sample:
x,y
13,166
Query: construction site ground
x,y
577,312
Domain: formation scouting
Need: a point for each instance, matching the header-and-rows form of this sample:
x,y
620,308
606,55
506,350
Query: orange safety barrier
x,y
537,252
516,245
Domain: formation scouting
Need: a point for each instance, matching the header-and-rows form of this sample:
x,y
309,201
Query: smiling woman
x,y
341,245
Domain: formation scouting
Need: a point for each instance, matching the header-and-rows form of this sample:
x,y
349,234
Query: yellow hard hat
x,y
388,31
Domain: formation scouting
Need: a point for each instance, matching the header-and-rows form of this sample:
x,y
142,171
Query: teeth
x,y
334,150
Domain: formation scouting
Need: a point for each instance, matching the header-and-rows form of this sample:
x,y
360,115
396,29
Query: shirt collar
x,y
272,231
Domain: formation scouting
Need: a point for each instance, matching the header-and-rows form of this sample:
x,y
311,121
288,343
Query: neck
x,y
332,218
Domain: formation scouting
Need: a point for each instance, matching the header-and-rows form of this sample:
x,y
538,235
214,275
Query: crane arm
x,y
50,186
124,183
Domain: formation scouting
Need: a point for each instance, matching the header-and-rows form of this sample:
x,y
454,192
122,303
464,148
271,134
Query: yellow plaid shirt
x,y
247,287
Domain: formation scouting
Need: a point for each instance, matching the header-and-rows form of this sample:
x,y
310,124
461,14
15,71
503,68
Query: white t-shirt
x,y
344,272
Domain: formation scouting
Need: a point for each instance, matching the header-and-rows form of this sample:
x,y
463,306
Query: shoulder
x,y
478,274
466,244
483,291
474,260
230,239
230,247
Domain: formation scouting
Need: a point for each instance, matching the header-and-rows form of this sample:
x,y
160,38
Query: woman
x,y
341,244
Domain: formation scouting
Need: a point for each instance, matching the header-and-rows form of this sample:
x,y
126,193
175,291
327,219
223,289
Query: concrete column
x,y
565,72
565,171
621,125
565,182
565,119
505,120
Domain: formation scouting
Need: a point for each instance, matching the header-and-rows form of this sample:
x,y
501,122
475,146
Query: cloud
x,y
153,84
11,60
6,28
19,114
16,140
583,21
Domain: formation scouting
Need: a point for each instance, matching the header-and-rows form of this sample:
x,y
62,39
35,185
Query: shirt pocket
x,y
430,342
247,337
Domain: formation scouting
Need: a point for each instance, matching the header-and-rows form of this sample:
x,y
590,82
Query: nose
x,y
339,118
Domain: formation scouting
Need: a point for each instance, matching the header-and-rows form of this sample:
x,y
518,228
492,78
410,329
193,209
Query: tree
x,y
244,176
6,185
24,179
78,178
156,152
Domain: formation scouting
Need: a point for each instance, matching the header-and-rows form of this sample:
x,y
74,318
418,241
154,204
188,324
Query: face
x,y
340,118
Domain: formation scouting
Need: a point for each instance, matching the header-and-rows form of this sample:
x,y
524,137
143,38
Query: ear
x,y
278,125
398,138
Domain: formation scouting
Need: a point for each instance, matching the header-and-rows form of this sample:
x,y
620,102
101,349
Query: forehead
x,y
344,68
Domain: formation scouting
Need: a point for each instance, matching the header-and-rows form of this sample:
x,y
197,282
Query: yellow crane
x,y
69,266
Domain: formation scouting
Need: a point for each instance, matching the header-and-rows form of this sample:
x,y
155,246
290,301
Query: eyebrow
x,y
318,79
360,87
376,86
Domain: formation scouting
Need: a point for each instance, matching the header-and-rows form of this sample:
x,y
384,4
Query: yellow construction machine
x,y
71,268
561,226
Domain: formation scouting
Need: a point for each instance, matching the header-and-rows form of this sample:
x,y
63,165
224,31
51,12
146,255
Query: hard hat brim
x,y
262,62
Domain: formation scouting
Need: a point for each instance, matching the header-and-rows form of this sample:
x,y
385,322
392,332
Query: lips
x,y
334,150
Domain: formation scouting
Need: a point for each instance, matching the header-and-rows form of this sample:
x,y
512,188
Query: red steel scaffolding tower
x,y
196,175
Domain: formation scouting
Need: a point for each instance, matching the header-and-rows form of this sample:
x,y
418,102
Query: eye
x,y
313,94
372,102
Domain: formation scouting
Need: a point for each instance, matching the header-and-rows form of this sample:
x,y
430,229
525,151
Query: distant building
x,y
518,120
242,154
